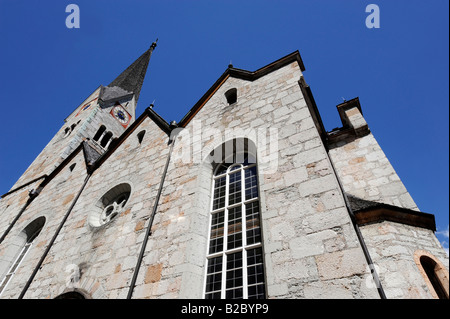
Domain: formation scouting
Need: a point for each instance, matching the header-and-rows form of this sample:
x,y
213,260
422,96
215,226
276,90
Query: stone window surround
x,y
210,165
106,201
441,271
22,244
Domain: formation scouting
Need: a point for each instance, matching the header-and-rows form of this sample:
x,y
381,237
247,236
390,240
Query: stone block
x,y
341,264
317,185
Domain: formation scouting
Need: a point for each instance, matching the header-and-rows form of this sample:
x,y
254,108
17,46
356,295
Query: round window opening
x,y
110,205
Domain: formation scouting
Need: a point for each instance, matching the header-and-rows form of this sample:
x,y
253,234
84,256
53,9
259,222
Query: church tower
x,y
100,119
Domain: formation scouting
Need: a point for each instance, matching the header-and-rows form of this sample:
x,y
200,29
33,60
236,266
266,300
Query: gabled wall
x,y
310,247
52,203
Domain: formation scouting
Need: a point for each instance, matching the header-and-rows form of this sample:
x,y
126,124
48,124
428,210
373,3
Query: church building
x,y
248,196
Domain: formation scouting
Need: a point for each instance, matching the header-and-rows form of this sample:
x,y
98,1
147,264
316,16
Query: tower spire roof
x,y
129,81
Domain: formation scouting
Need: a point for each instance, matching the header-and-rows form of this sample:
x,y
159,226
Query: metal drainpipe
x,y
148,232
49,246
359,234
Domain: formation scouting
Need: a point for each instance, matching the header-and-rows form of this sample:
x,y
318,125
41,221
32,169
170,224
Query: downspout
x,y
148,232
359,234
49,246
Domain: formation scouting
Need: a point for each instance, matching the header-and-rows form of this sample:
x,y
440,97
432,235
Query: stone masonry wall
x,y
107,255
310,247
52,203
366,172
393,247
10,206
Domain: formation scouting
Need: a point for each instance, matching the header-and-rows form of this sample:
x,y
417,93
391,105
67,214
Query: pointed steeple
x,y
129,81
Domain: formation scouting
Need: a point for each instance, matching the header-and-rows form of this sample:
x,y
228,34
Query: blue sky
x,y
400,71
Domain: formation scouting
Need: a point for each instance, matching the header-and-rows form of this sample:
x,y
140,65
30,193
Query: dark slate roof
x,y
90,153
367,212
129,81
358,204
113,93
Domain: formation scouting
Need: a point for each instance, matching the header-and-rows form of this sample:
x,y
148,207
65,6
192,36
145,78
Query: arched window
x,y
110,205
106,139
26,239
140,136
67,131
99,133
235,268
431,269
71,295
434,272
112,143
231,96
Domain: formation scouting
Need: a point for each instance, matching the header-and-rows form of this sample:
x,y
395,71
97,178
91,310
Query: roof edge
x,y
385,212
244,75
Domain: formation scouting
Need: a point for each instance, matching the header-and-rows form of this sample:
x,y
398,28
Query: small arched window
x,y
112,143
106,139
434,272
99,133
67,131
231,96
24,241
140,136
71,295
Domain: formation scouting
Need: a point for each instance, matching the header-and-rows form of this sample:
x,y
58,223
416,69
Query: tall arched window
x,y
434,272
431,269
106,139
99,133
24,241
235,268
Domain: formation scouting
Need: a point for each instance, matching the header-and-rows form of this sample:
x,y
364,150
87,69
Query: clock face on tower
x,y
121,115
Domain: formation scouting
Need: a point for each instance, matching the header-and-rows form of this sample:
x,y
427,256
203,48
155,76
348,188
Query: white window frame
x,y
16,264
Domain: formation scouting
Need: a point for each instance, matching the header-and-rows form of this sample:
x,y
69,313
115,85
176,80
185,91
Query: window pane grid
x,y
234,188
219,193
253,223
251,183
216,235
214,278
234,238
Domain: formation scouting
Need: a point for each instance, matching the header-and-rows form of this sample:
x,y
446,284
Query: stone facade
x,y
310,245
394,248
364,169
